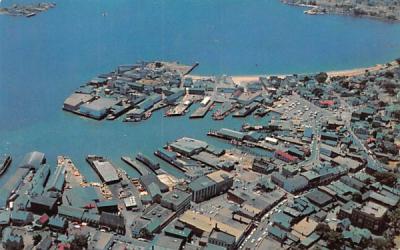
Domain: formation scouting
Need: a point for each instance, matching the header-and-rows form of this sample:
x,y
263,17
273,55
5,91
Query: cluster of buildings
x,y
26,10
320,159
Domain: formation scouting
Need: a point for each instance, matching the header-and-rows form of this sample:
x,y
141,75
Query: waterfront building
x,y
98,108
74,101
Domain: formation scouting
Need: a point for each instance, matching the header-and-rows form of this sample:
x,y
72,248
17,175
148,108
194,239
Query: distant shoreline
x,y
383,12
335,73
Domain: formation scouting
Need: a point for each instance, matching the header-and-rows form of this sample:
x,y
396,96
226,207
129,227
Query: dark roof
x,y
222,236
45,243
318,197
112,220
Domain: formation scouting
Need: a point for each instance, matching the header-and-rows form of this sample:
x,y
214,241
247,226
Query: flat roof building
x,y
203,188
106,171
176,200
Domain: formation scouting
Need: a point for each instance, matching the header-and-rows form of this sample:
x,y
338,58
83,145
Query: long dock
x,y
201,111
139,167
290,140
246,110
162,155
261,145
180,109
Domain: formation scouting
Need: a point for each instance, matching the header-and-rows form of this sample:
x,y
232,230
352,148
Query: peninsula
x,y
384,10
26,10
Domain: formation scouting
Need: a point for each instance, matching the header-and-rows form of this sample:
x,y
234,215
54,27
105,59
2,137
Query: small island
x,y
384,10
26,10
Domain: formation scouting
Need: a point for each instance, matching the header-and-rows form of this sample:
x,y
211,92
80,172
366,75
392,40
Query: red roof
x,y
43,219
327,102
90,205
285,155
63,246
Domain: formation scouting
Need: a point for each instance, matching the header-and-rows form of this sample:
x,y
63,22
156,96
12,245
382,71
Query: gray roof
x,y
222,236
176,197
106,170
57,180
318,197
33,160
77,99
167,242
201,183
68,211
100,104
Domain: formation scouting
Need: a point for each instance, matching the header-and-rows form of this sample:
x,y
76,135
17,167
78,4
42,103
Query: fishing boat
x,y
5,162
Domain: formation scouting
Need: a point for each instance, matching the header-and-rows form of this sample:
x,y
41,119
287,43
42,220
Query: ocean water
x,y
44,58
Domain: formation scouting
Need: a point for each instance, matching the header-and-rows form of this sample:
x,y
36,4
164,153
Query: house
x,y
58,224
21,218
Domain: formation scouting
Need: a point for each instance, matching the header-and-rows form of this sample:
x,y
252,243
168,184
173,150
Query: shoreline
x,y
361,10
333,73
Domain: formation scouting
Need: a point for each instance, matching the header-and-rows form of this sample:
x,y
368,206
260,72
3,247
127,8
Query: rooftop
x,y
374,209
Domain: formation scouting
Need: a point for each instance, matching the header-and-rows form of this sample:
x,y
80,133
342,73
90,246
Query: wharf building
x,y
31,161
104,169
98,108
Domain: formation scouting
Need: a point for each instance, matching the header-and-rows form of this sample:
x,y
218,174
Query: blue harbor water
x,y
44,58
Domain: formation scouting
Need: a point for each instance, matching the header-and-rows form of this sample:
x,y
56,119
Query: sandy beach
x,y
339,73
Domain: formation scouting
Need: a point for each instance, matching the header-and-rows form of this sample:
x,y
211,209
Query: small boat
x,y
30,14
5,163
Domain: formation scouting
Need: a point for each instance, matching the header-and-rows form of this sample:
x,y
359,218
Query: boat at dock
x,y
224,111
5,163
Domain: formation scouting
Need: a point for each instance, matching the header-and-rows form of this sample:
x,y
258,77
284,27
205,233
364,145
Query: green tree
x,y
36,239
79,242
334,239
357,197
321,77
381,244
